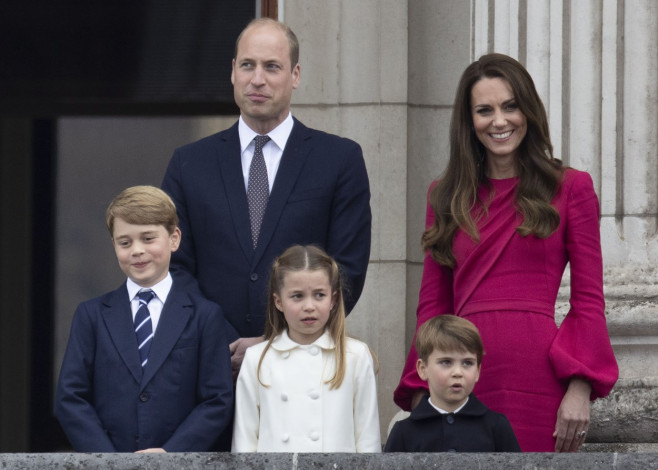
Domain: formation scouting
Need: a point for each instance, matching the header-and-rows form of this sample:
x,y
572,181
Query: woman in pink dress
x,y
502,223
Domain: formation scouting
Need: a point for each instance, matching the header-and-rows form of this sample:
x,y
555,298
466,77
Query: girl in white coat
x,y
307,388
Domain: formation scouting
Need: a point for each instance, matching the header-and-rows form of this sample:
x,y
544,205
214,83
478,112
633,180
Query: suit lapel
x,y
293,159
174,318
228,156
118,320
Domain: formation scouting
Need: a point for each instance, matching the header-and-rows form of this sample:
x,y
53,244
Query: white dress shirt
x,y
272,150
161,290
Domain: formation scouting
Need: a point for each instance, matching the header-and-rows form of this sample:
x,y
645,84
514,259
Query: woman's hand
x,y
152,450
573,417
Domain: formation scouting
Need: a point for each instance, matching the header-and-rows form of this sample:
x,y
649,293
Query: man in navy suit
x,y
319,191
145,375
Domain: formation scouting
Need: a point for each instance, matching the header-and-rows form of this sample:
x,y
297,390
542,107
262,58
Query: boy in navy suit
x,y
145,371
451,419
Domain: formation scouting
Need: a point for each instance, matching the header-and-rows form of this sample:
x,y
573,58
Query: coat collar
x,y
175,316
230,170
284,343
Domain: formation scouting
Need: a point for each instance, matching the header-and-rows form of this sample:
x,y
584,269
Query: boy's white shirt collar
x,y
279,134
284,343
444,412
161,289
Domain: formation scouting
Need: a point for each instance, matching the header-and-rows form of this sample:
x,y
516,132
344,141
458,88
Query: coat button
x,y
314,351
314,436
144,397
314,394
285,438
284,397
450,419
253,277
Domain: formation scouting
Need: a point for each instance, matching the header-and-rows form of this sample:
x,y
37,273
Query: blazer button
x,y
314,436
144,397
285,438
314,395
450,419
253,277
284,397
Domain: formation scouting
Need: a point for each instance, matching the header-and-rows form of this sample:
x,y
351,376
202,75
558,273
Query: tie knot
x,y
146,296
261,140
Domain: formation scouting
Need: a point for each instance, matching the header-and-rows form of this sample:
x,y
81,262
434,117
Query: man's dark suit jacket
x,y
474,429
320,196
182,399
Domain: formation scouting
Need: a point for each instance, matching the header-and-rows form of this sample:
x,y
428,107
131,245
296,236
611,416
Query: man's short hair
x,y
293,43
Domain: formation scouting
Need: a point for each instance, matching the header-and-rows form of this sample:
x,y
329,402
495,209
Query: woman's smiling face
x,y
498,122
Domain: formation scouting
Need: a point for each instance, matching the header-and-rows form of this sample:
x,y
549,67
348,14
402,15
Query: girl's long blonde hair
x,y
307,258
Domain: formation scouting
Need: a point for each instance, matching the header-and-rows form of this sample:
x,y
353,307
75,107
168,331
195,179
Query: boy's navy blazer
x,y
181,400
320,195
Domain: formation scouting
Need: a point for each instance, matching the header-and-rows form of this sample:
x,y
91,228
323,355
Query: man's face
x,y
263,78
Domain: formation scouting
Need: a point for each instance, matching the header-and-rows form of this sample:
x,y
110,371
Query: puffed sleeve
x,y
367,437
247,405
435,298
582,346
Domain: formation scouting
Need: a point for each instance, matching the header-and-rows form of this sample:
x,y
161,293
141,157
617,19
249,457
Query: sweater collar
x,y
424,410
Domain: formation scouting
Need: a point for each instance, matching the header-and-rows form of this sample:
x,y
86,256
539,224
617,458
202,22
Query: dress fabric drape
x,y
507,285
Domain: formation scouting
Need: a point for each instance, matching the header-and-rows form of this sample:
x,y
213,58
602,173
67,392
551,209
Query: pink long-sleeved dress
x,y
507,286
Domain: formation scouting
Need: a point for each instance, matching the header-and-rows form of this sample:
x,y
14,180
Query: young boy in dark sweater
x,y
451,419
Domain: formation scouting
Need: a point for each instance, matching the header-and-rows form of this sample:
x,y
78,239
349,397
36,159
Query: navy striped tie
x,y
143,325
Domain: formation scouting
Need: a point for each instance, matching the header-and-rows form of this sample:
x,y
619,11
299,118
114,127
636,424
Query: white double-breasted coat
x,y
298,412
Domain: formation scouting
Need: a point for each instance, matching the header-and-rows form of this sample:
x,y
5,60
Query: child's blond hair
x,y
142,205
448,333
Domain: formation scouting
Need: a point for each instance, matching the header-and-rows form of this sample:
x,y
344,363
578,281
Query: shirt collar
x,y
279,134
284,343
161,289
444,412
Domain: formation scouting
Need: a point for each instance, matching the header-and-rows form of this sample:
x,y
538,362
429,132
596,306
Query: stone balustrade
x,y
223,461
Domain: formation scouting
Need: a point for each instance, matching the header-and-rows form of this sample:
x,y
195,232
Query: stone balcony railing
x,y
227,461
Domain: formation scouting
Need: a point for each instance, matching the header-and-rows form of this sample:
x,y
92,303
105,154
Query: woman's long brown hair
x,y
455,195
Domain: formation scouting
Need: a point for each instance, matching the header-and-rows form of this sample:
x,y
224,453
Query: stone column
x,y
595,64
353,58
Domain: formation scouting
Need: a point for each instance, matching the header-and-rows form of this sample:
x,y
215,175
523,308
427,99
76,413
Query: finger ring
x,y
582,434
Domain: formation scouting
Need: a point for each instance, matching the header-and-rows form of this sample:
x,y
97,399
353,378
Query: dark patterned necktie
x,y
258,190
143,325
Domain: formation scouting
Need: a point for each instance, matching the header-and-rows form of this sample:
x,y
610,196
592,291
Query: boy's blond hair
x,y
142,205
448,333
